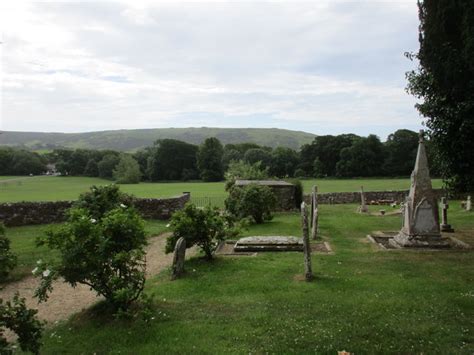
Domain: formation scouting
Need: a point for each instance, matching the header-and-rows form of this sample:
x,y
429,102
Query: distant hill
x,y
131,140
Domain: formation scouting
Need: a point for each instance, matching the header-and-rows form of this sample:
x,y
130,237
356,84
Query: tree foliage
x,y
127,170
15,316
209,160
8,260
444,81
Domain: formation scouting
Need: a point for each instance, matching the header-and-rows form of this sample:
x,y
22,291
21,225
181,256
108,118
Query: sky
x,y
325,67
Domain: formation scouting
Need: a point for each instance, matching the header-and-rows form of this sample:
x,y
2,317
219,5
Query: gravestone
x,y
268,243
421,227
363,205
468,204
445,227
314,213
177,268
308,273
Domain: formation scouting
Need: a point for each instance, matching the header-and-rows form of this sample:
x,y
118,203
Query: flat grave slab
x,y
269,243
385,241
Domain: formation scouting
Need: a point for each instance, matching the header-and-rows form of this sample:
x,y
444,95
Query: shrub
x,y
299,173
23,322
101,199
242,170
7,259
204,227
253,201
102,246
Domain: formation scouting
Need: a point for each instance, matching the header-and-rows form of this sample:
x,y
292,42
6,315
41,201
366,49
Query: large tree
x,y
209,160
444,81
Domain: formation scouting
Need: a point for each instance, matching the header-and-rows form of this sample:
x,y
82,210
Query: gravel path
x,y
65,300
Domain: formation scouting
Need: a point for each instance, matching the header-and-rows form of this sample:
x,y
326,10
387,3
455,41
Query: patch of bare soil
x,y
66,300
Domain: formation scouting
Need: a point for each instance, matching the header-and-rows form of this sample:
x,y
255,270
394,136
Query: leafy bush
x,y
101,245
101,199
203,227
299,173
23,322
7,259
253,201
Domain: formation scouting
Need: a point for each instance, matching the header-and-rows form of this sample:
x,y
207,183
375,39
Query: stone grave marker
x,y
363,205
177,268
421,227
308,273
314,213
445,227
468,204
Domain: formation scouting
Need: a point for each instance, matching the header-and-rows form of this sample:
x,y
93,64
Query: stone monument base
x,y
402,240
446,228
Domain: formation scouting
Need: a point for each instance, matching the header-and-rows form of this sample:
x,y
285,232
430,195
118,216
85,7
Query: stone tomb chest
x,y
284,192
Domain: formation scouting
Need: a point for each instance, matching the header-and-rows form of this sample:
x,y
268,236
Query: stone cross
x,y
468,204
308,273
445,227
314,213
177,268
363,206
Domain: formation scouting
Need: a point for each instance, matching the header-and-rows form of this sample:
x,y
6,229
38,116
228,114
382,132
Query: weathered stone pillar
x,y
363,206
314,213
177,268
445,227
468,204
308,272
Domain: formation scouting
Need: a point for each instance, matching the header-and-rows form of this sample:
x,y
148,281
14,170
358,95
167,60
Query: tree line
x,y
346,155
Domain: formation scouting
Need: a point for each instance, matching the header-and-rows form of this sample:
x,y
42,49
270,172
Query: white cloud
x,y
307,66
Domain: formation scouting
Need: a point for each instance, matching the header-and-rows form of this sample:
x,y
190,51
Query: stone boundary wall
x,y
27,213
354,197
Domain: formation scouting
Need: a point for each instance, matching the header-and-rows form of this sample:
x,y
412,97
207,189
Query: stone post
x,y
445,227
468,204
308,273
314,213
177,268
363,206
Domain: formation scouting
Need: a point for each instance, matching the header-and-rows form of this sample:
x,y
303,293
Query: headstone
x,y
314,213
308,273
177,268
363,205
468,204
420,216
445,227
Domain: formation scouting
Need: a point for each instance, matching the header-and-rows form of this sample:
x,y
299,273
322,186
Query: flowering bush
x,y
99,247
23,322
203,227
7,259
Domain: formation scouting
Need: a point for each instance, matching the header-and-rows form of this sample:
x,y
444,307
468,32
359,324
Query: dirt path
x,y
65,300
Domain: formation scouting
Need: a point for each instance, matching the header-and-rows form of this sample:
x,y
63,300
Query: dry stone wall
x,y
27,213
354,197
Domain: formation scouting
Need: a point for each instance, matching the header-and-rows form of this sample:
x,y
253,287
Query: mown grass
x,y
52,188
363,300
23,244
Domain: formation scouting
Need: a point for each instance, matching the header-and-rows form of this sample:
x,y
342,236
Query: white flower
x,y
168,225
46,273
93,220
34,271
122,205
39,262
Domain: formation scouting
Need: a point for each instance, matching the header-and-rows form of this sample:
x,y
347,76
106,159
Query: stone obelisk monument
x,y
420,216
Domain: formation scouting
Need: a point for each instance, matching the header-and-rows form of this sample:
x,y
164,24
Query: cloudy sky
x,y
325,67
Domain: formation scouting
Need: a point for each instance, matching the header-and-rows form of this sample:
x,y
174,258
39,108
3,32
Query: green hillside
x,y
130,140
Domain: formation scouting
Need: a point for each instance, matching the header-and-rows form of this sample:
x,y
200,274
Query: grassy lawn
x,y
23,244
363,300
52,188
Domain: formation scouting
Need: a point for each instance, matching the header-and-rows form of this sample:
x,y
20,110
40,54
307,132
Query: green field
x,y
52,188
363,300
